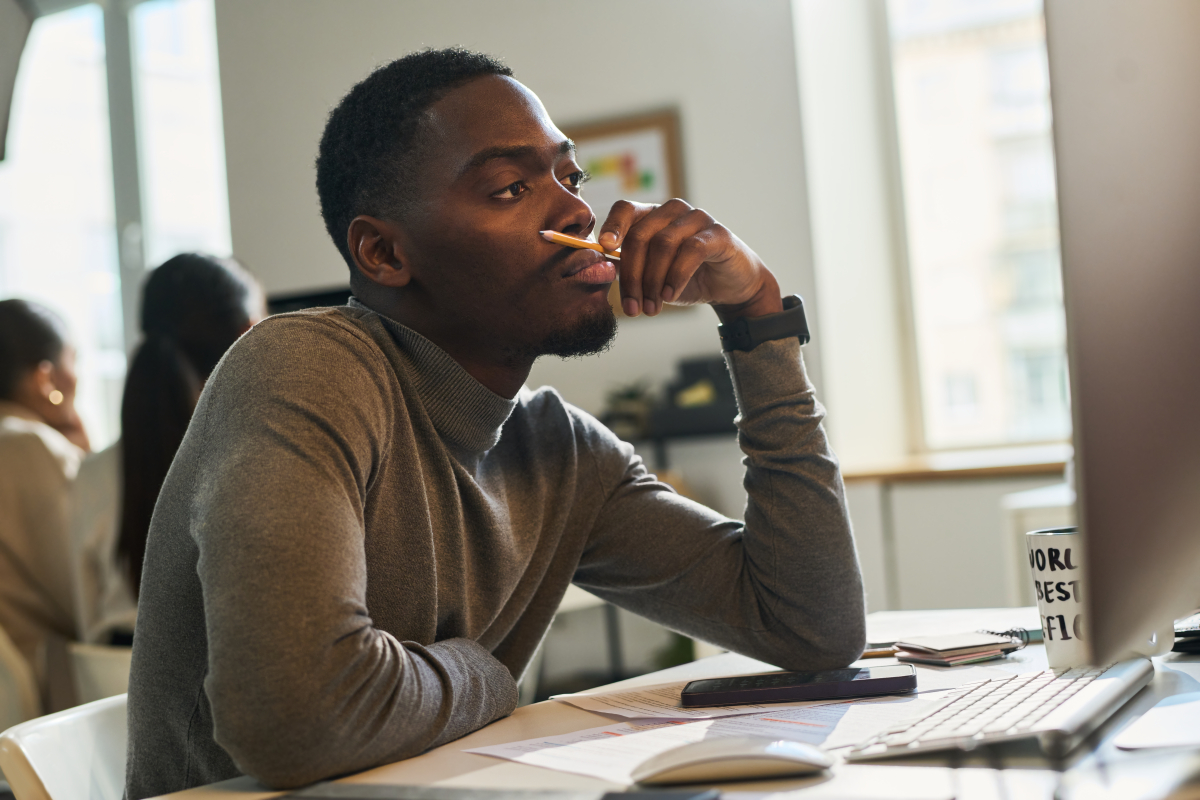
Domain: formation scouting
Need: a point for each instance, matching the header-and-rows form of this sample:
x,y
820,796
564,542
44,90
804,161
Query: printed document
x,y
613,752
661,701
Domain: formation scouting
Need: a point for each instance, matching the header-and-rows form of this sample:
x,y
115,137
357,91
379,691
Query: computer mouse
x,y
731,758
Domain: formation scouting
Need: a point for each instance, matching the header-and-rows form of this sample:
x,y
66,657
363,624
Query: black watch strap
x,y
744,333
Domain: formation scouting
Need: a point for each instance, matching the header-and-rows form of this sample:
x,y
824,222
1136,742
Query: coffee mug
x,y
1056,558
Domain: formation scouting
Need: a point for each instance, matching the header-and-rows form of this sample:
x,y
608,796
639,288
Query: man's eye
x,y
511,191
577,179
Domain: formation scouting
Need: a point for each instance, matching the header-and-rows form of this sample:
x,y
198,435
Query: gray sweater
x,y
359,548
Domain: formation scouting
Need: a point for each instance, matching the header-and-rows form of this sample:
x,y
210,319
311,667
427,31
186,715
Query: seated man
x,y
371,521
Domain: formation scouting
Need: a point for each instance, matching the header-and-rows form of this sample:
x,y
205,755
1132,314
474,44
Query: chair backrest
x,y
18,688
100,671
77,754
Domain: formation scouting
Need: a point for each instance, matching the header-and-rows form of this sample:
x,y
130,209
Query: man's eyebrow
x,y
565,147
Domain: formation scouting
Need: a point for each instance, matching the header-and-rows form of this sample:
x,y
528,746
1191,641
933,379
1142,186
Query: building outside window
x,y
971,91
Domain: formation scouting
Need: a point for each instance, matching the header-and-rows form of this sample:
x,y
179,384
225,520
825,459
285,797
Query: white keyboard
x,y
1058,707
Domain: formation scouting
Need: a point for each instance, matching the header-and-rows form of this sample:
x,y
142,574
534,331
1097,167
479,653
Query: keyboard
x,y
1059,708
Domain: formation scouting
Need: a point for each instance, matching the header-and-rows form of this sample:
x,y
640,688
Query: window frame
x,y
916,398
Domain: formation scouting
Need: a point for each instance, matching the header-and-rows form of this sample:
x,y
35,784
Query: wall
x,y
942,543
857,228
729,66
731,69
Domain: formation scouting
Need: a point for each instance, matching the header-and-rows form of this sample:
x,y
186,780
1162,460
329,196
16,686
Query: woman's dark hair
x,y
194,307
29,334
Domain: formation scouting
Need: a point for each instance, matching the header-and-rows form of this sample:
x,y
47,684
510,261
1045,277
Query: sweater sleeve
x,y
783,587
301,684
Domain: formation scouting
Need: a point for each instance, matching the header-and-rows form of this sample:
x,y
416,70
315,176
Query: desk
x,y
1025,773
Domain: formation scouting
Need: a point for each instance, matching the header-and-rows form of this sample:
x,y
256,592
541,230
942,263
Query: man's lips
x,y
588,266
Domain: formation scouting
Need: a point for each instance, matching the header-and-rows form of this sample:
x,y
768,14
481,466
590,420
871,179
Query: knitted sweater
x,y
359,548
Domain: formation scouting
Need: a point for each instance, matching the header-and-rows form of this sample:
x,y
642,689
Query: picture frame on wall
x,y
638,158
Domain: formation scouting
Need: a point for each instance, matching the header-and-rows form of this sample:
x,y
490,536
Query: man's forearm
x,y
796,513
784,586
370,702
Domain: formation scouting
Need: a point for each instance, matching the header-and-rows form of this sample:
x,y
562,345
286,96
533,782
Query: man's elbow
x,y
839,641
287,748
838,651
284,758
281,774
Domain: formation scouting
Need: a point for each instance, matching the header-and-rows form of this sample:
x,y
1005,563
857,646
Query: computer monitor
x,y
1125,92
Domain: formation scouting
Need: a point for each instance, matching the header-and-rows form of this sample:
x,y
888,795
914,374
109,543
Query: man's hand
x,y
677,254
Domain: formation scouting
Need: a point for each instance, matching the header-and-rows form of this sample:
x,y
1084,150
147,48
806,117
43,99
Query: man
x,y
370,523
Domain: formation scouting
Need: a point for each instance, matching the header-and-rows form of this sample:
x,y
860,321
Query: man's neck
x,y
502,372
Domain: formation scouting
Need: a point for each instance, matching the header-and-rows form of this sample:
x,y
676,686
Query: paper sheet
x,y
612,752
1174,722
892,626
936,679
661,701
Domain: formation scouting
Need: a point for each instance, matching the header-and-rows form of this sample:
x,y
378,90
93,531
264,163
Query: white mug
x,y
1056,558
1056,561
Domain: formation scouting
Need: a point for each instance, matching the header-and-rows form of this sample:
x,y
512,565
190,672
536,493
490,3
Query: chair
x,y
100,671
77,754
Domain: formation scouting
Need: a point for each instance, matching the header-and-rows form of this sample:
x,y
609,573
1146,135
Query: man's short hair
x,y
365,163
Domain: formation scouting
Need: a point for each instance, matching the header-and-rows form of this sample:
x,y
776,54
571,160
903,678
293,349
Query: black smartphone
x,y
788,687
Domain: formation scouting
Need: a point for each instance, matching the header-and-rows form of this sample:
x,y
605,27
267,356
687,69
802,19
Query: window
x,y
57,235
971,92
58,240
185,200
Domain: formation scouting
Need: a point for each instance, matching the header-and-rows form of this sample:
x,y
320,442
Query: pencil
x,y
879,652
579,244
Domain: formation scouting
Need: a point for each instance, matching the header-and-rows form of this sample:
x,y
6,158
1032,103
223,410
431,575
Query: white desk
x,y
1025,773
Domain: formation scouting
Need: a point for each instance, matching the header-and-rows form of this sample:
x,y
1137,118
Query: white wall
x,y
937,543
857,228
728,65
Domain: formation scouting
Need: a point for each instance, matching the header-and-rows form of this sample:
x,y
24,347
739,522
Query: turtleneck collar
x,y
464,411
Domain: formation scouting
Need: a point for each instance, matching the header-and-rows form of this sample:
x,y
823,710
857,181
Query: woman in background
x,y
194,307
42,442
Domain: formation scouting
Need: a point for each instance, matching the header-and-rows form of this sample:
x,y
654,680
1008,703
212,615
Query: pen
x,y
580,244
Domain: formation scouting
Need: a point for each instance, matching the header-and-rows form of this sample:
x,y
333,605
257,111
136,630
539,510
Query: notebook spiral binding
x,y
1020,634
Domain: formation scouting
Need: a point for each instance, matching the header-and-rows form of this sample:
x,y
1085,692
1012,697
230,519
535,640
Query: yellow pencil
x,y
577,243
878,652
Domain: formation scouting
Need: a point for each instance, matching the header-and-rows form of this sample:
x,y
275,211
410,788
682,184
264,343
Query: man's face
x,y
494,171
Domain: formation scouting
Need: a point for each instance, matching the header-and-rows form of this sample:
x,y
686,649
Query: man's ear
x,y
377,248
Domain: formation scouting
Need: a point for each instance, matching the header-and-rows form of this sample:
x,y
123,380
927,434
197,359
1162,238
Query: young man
x,y
370,523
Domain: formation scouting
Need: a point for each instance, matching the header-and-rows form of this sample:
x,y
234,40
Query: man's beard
x,y
588,336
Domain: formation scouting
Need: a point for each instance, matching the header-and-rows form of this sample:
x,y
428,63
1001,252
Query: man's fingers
x,y
692,253
634,252
621,217
663,250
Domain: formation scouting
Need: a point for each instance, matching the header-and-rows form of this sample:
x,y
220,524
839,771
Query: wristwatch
x,y
745,333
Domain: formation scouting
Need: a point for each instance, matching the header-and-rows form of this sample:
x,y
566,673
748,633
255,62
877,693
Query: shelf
x,y
1043,459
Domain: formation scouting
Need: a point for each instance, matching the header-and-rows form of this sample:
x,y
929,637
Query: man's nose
x,y
571,214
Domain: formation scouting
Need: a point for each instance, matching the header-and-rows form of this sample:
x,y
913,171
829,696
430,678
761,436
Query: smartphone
x,y
788,687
